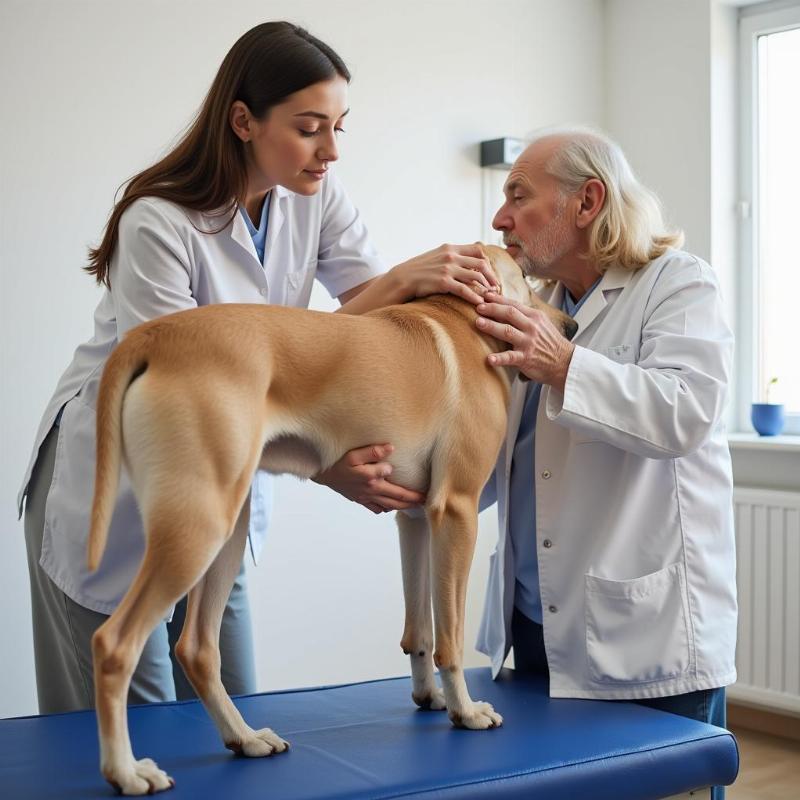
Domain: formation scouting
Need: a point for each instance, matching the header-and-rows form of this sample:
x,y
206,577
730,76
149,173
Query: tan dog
x,y
189,402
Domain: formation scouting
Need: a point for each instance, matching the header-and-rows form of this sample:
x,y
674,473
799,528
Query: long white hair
x,y
629,231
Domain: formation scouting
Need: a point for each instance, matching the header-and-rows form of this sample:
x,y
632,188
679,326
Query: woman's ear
x,y
592,196
241,120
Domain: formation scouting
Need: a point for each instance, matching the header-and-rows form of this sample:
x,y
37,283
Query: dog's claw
x,y
482,717
257,744
430,701
138,778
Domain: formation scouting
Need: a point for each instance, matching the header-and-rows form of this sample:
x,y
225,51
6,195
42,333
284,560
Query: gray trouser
x,y
62,629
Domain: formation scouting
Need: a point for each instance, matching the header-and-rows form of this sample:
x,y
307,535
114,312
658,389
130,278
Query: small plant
x,y
770,385
767,417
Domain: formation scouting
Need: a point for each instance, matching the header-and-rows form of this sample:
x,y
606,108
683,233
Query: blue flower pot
x,y
767,418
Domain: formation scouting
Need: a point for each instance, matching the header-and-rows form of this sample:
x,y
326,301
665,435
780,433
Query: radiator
x,y
768,581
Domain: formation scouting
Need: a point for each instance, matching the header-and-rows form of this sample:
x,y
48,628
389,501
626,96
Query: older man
x,y
615,570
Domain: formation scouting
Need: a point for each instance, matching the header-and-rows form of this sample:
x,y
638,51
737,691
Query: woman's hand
x,y
459,269
361,475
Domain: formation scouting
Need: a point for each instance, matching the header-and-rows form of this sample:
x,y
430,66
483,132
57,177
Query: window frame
x,y
754,21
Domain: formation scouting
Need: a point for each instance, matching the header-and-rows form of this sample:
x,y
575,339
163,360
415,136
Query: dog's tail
x,y
126,363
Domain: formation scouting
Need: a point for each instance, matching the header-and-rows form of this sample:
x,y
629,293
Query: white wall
x,y
672,105
658,99
93,91
724,151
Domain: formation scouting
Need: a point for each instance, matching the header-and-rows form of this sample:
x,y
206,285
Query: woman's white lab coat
x,y
164,262
634,520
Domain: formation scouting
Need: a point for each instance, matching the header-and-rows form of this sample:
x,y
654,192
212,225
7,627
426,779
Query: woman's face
x,y
294,143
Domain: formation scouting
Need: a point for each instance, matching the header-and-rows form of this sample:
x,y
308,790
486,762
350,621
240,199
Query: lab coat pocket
x,y
638,630
65,516
299,284
73,478
622,353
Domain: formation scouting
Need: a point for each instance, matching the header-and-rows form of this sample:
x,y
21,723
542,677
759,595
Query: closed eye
x,y
309,134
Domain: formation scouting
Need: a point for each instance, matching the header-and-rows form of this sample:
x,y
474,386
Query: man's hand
x,y
361,476
538,350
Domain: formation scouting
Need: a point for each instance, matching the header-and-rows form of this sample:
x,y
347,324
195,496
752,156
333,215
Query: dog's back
x,y
317,384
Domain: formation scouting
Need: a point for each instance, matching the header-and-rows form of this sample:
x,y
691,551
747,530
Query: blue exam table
x,y
367,740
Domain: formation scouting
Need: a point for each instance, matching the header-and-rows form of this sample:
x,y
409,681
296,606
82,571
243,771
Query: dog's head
x,y
515,286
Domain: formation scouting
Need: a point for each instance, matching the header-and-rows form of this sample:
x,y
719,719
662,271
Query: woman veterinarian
x,y
243,209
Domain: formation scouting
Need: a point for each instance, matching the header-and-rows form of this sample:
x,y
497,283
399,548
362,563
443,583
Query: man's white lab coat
x,y
634,518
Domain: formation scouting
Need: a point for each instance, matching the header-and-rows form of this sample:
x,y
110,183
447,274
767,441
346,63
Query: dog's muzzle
x,y
570,329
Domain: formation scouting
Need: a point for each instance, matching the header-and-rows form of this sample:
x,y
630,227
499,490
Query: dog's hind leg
x,y
198,648
417,641
454,529
182,541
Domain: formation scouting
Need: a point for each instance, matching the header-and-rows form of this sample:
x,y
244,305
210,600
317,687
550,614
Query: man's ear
x,y
592,196
241,120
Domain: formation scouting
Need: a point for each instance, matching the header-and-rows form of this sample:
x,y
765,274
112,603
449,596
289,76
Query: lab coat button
x,y
263,291
547,543
546,474
552,609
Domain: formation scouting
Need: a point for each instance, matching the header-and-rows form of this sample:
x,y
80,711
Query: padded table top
x,y
368,740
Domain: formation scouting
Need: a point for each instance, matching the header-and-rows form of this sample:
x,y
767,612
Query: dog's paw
x,y
257,744
479,718
430,701
140,777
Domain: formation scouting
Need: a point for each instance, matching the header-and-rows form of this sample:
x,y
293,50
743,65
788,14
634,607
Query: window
x,y
769,287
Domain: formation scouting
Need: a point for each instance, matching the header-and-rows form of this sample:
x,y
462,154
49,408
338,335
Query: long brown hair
x,y
206,170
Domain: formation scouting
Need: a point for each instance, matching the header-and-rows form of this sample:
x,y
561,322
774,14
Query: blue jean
x,y
706,705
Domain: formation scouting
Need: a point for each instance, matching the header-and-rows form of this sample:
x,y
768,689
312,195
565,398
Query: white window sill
x,y
788,443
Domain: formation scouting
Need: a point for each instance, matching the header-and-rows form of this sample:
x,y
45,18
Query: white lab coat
x,y
164,263
634,518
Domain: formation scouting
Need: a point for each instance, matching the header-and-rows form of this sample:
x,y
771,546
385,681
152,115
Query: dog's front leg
x,y
417,641
454,529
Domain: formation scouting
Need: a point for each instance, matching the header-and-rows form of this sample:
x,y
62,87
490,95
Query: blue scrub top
x,y
259,235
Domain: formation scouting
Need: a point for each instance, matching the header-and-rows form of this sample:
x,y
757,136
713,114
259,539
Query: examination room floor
x,y
769,767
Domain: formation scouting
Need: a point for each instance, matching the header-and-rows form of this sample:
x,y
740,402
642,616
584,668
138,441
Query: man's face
x,y
535,217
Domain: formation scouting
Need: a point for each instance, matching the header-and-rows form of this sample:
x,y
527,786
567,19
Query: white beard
x,y
549,245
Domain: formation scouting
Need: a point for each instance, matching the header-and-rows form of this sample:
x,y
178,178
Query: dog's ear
x,y
525,289
509,274
489,254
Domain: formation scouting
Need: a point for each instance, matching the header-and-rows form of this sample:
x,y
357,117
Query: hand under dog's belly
x,y
294,455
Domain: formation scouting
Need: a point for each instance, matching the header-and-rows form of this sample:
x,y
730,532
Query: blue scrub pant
x,y
706,705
